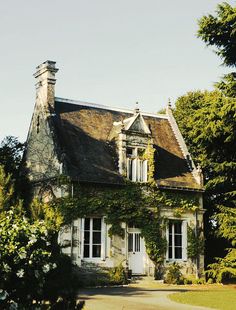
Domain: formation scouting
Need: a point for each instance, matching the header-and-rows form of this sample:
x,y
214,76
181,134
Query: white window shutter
x,y
145,165
167,241
184,240
82,238
128,169
134,170
138,162
103,240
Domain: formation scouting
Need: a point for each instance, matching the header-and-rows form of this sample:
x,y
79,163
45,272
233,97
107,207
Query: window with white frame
x,y
92,244
176,240
136,165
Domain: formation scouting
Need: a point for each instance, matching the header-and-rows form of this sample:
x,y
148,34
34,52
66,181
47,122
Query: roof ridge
x,y
105,107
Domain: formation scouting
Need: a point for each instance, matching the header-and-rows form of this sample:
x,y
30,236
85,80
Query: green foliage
x,y
226,219
227,85
118,275
6,190
25,257
31,266
132,204
44,211
10,155
90,274
174,275
11,151
224,269
149,155
32,269
219,31
207,122
195,243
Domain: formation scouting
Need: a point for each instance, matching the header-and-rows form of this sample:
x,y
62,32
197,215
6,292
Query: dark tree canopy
x,y
207,122
11,151
227,85
220,31
10,155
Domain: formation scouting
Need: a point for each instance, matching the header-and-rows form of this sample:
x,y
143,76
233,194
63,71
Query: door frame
x,y
142,253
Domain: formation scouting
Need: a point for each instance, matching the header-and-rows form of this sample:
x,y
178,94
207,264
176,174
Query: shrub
x,y
187,281
210,281
174,275
224,269
31,266
91,275
118,275
201,281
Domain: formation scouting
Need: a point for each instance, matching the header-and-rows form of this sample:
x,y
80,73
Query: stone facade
x,y
94,144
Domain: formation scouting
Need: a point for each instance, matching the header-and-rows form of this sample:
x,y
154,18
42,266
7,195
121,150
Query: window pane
x,y
97,224
137,242
178,252
170,252
96,237
87,224
178,226
129,151
178,240
86,237
130,242
96,250
130,169
86,250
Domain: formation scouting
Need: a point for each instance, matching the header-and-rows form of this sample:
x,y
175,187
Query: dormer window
x,y
136,164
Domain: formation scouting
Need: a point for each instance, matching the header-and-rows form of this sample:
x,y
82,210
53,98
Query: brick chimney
x,y
45,85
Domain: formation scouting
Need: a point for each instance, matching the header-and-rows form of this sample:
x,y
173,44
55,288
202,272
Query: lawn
x,y
223,298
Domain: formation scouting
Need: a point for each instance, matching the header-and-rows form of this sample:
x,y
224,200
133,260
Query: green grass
x,y
223,299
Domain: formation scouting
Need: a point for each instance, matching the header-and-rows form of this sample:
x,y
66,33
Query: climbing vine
x,y
134,203
149,156
195,242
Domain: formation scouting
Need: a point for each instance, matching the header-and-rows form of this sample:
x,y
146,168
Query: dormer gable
x,y
133,125
133,138
137,124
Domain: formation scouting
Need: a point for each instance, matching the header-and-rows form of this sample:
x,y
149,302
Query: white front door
x,y
136,250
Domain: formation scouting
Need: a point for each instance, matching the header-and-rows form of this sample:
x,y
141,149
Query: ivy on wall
x,y
134,203
195,242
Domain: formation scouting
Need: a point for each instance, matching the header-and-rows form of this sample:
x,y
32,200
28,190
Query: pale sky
x,y
111,52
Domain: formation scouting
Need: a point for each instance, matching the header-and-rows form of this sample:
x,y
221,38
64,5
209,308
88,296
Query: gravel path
x,y
132,297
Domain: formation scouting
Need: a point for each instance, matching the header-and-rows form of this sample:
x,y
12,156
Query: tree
x,y
224,269
32,269
220,31
207,122
6,190
227,85
11,151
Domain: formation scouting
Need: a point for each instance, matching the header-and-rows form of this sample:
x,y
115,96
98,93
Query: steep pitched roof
x,y
84,133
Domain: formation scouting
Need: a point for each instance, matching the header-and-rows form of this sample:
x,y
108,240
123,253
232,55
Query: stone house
x,y
95,145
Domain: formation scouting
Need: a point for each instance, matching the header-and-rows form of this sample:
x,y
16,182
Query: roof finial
x,y
169,107
136,110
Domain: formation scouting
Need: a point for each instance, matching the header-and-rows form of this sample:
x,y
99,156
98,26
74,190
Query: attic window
x,y
129,151
136,164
